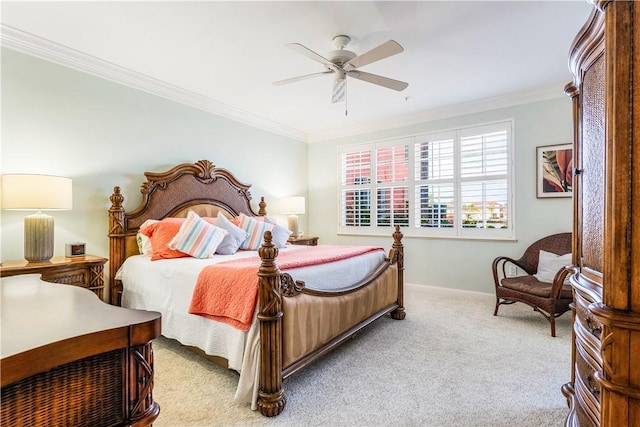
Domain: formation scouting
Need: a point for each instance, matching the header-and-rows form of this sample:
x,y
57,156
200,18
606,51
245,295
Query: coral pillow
x,y
160,234
255,231
234,238
197,237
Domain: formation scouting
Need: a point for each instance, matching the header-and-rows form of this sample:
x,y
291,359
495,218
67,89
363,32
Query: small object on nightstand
x,y
86,271
304,240
74,249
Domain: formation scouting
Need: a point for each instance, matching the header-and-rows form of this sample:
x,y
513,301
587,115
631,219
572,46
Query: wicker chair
x,y
549,299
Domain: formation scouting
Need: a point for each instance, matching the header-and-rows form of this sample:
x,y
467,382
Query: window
x,y
449,184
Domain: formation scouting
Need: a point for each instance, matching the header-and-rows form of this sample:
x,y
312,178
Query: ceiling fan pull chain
x,y
346,98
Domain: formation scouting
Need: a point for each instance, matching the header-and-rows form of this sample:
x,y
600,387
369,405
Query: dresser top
x,y
37,313
24,266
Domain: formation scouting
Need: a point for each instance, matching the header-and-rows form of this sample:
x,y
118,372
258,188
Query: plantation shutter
x,y
456,183
484,173
392,192
434,177
356,184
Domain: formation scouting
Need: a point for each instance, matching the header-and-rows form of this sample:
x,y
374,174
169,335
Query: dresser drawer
x,y
79,276
584,419
586,319
587,388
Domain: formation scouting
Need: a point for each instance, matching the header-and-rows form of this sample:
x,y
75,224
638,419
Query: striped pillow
x,y
255,231
197,237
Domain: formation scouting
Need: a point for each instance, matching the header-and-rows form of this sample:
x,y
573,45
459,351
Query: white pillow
x,y
234,238
279,234
144,243
549,264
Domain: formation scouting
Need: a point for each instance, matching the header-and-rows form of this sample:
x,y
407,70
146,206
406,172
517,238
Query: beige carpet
x,y
449,363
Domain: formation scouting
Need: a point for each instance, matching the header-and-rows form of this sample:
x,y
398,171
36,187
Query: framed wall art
x,y
554,164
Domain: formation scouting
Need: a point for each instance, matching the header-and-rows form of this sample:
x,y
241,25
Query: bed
x,y
301,312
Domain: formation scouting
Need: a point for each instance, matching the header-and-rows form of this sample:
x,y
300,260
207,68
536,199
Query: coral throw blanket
x,y
228,291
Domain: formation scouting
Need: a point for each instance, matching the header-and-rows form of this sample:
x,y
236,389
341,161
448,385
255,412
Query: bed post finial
x,y
398,250
262,211
271,398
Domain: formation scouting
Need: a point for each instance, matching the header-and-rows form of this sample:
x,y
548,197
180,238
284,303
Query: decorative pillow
x,y
234,238
280,235
144,244
236,219
255,231
549,264
160,234
197,237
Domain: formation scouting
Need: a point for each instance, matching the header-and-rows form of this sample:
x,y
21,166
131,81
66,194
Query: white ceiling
x,y
224,56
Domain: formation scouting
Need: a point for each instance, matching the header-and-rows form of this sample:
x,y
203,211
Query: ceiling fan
x,y
344,63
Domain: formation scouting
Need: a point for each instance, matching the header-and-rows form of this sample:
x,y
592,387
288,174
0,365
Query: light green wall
x,y
101,134
463,264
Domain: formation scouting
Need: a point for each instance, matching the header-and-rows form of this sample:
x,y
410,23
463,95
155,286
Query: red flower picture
x,y
555,170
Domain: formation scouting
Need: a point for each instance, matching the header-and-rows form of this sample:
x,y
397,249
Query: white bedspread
x,y
167,285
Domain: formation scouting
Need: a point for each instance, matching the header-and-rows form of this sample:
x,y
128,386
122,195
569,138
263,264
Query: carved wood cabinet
x,y
605,375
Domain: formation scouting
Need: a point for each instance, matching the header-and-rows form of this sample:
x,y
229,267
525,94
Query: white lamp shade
x,y
292,205
36,192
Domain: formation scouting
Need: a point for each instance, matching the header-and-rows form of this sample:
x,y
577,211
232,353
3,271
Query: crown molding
x,y
18,40
15,39
546,93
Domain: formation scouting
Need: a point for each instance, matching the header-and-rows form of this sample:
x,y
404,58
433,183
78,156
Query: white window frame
x,y
457,230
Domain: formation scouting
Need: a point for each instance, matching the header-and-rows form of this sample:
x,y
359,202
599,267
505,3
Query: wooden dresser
x,y
69,359
605,375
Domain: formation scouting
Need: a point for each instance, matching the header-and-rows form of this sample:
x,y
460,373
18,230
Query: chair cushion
x,y
532,286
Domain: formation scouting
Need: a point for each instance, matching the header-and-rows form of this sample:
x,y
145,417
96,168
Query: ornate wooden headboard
x,y
200,186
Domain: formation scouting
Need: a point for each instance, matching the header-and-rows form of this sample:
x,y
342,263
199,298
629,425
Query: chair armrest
x,y
499,265
559,278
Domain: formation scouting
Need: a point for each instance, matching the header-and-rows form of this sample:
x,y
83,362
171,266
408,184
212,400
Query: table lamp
x,y
38,193
293,206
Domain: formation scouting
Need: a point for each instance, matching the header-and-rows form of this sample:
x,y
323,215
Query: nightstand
x,y
304,240
86,271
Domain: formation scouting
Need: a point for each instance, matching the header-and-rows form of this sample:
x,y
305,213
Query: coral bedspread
x,y
228,291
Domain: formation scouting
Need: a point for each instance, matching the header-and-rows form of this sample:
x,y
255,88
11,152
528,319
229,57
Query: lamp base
x,y
38,237
293,225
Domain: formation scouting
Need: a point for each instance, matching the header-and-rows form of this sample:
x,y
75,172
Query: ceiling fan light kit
x,y
345,63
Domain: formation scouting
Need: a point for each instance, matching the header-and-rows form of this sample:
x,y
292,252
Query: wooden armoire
x,y
605,375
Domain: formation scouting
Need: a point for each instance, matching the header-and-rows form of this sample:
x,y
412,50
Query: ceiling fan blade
x,y
385,50
311,54
297,79
378,80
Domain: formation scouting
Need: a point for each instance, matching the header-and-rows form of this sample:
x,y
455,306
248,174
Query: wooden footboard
x,y
273,287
